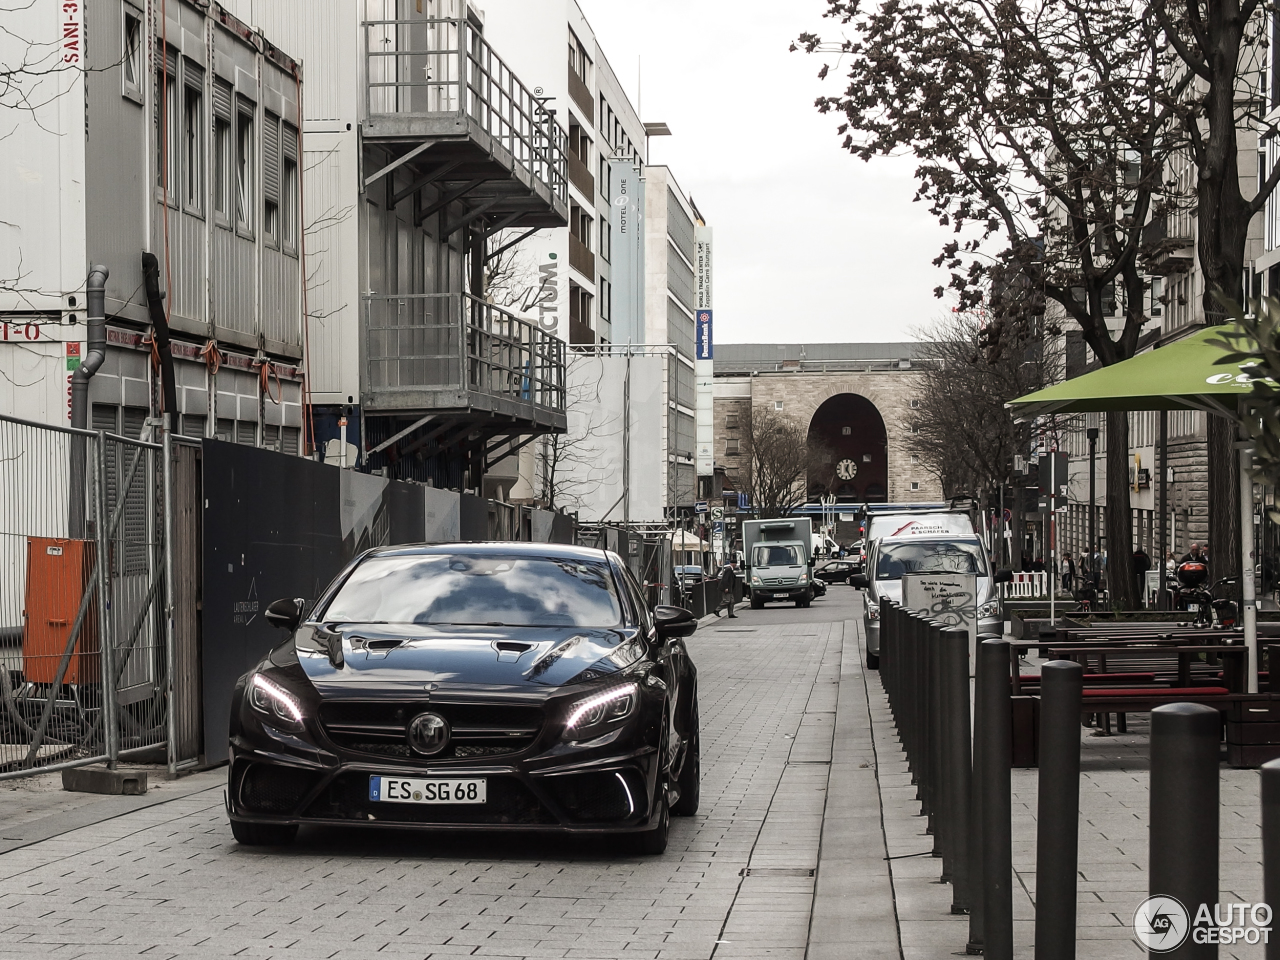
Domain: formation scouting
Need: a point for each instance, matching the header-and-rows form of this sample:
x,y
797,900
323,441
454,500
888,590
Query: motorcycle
x,y
1194,597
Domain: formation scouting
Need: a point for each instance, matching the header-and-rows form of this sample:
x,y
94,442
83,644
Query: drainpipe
x,y
160,331
96,317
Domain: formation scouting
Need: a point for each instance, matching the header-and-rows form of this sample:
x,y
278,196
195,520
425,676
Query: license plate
x,y
781,596
434,790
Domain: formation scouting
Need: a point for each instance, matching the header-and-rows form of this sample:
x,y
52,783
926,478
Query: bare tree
x,y
966,437
777,460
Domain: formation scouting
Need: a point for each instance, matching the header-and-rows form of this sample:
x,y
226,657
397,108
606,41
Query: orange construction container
x,y
58,573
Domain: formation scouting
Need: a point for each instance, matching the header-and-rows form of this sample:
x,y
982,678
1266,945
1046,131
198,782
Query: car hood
x,y
892,589
339,656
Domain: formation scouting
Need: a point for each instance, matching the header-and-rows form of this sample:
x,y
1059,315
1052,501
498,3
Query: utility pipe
x,y
96,320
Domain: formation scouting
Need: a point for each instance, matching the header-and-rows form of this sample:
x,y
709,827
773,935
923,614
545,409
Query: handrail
x,y
460,74
457,341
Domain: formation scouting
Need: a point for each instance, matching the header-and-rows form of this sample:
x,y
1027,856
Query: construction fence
x,y
86,642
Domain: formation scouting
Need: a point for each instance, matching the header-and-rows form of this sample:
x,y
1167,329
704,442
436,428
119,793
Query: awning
x,y
1184,375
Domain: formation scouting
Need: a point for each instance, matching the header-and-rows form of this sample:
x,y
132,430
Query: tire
x,y
653,843
690,781
873,661
757,604
263,834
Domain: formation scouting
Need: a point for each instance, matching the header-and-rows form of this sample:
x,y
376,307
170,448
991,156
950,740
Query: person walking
x,y
728,580
1068,573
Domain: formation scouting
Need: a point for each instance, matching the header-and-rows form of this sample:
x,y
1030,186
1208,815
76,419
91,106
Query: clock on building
x,y
846,469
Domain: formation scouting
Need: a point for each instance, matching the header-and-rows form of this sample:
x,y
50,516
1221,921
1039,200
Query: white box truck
x,y
779,561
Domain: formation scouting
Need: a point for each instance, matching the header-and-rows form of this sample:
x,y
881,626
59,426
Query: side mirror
x,y
286,613
859,581
674,622
1003,576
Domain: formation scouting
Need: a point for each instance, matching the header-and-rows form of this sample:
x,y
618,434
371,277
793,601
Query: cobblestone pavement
x,y
737,880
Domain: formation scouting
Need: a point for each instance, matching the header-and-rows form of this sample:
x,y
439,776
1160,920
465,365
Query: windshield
x,y
895,559
485,590
771,555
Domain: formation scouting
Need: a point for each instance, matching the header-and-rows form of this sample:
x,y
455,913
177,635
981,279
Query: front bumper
x,y
768,594
605,786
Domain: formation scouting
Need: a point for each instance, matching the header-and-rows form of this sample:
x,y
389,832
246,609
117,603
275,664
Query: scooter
x,y
1217,612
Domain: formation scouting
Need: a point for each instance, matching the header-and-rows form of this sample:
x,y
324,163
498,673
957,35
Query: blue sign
x,y
706,346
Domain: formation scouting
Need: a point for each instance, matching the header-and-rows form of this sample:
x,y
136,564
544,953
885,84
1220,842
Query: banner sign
x,y
626,265
705,345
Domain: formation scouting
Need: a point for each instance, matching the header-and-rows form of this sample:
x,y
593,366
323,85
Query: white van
x,y
920,548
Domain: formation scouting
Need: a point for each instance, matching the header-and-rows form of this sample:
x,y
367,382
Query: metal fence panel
x,y
83,670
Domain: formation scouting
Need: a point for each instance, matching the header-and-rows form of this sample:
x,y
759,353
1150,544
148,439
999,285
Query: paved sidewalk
x,y
1114,804
736,882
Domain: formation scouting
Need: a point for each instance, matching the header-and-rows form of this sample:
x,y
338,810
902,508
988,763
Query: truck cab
x,y
779,561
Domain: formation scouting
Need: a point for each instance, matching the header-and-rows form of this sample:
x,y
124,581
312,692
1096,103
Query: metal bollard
x,y
997,803
977,859
933,703
1271,841
1058,817
958,776
1184,812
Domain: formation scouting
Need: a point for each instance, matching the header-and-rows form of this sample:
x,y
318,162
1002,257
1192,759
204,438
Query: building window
x,y
579,62
271,178
606,239
866,458
915,431
915,459
731,421
731,448
168,132
915,404
915,486
777,404
846,431
606,299
289,189
222,164
193,148
131,56
244,167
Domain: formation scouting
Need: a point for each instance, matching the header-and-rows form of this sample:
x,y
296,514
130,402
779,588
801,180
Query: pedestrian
x,y
1068,573
728,581
1141,564
1196,555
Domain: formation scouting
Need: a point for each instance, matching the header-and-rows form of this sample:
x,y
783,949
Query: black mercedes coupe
x,y
487,686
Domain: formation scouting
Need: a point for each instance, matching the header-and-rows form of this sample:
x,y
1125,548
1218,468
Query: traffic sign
x,y
717,513
700,507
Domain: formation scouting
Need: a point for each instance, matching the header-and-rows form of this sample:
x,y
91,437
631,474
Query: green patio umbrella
x,y
1184,375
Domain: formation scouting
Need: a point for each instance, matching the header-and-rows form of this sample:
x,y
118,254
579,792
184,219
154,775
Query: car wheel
x,y
653,843
873,661
263,834
690,781
757,604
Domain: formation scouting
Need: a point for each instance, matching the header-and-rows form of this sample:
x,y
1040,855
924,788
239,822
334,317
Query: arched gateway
x,y
856,466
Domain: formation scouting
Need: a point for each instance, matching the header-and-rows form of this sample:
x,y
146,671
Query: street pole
x,y
1092,434
1162,596
1053,541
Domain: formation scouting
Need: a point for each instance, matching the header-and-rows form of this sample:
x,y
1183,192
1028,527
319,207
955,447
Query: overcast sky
x,y
812,244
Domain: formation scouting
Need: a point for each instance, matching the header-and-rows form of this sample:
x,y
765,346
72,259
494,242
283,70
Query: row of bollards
x,y
964,786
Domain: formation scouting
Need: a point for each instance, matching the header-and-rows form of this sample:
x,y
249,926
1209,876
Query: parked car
x,y
495,686
690,574
835,571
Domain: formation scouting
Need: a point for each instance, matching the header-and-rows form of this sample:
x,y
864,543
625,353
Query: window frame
x,y
244,168
132,54
194,186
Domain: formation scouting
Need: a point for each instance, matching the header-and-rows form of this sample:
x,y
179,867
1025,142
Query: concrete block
x,y
101,780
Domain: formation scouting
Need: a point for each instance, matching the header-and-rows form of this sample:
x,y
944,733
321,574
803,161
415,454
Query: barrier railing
x,y
84,649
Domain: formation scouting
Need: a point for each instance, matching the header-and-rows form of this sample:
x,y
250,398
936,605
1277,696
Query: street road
x,y
737,880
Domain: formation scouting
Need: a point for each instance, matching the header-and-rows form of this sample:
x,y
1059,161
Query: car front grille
x,y
380,728
779,582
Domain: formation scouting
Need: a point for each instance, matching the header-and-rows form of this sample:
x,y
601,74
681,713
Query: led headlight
x,y
803,578
592,716
755,581
275,702
989,609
